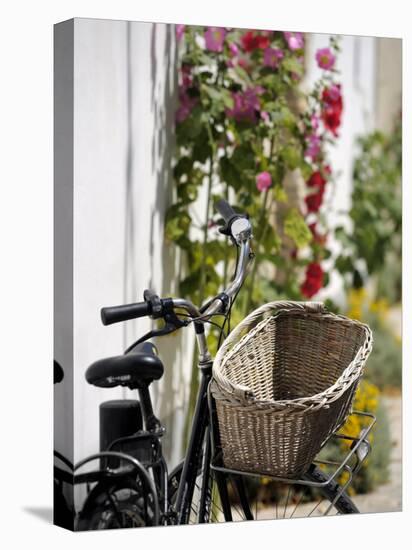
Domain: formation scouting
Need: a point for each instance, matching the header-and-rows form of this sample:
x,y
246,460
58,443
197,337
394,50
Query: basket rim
x,y
244,394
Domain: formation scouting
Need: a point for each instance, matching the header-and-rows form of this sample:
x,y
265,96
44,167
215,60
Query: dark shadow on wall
x,y
163,82
164,100
129,272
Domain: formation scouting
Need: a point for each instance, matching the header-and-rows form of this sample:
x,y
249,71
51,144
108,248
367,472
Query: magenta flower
x,y
313,148
325,58
186,104
245,104
272,56
294,40
180,30
234,50
263,181
314,121
214,38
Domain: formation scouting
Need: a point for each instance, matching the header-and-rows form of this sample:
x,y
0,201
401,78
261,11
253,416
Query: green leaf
x,y
291,157
279,194
229,173
296,228
292,64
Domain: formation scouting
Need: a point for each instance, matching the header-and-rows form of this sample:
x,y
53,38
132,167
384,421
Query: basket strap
x,y
248,322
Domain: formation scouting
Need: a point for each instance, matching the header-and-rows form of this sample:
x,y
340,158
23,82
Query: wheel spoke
x,y
316,506
298,502
287,500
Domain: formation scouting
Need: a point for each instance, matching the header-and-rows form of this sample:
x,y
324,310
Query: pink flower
x,y
314,121
245,104
186,104
214,38
313,148
263,181
234,50
265,116
180,30
294,40
325,58
272,56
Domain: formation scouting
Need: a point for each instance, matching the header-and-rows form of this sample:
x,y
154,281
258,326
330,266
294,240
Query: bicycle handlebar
x,y
226,211
116,314
238,227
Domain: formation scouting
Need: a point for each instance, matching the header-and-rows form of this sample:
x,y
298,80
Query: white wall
x,y
124,103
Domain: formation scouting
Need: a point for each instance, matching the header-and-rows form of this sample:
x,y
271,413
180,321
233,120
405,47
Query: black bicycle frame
x,y
195,452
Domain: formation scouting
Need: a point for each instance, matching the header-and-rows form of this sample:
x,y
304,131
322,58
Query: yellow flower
x,y
356,301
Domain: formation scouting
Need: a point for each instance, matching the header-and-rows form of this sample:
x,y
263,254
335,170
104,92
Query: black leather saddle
x,y
58,373
136,369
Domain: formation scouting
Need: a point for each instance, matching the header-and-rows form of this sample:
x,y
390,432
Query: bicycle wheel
x,y
118,504
250,500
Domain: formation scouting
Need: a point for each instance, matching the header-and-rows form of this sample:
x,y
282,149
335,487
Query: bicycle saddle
x,y
138,368
58,373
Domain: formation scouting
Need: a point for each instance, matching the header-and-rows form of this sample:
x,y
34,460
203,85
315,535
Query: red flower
x,y
251,41
331,119
314,201
313,281
332,108
316,180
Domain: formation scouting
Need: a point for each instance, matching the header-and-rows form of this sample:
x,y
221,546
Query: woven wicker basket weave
x,y
283,382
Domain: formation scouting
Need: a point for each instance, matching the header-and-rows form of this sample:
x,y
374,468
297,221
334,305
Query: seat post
x,y
151,422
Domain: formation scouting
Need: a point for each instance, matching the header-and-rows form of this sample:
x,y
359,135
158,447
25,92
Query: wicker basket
x,y
283,382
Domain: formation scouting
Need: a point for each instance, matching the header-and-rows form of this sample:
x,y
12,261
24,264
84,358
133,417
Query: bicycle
x,y
133,485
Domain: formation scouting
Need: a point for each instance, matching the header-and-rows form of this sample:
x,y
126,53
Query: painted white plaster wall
x,y
124,103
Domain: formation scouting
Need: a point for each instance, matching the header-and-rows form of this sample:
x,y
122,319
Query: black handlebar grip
x,y
226,211
116,314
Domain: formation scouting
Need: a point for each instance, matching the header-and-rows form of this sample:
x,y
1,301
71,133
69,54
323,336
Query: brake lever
x,y
172,323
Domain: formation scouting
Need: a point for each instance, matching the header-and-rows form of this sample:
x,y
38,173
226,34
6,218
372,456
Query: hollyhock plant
x,y
325,58
272,57
214,38
263,181
245,104
313,281
294,40
252,135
